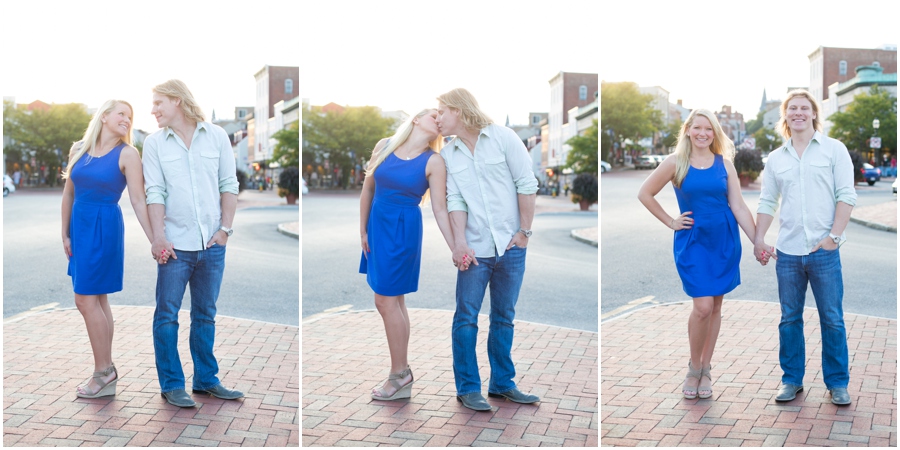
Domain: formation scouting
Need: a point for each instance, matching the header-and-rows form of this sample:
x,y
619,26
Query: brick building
x,y
829,65
273,84
567,90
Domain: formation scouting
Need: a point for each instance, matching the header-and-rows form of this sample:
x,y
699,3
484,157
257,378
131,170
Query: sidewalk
x,y
346,355
254,198
645,360
46,355
882,216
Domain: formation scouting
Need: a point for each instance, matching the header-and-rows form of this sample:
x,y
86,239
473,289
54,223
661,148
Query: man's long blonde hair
x,y
470,114
721,144
783,127
92,134
177,89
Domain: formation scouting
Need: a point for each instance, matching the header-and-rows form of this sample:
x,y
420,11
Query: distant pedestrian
x,y
17,177
490,195
101,165
567,189
192,191
402,169
812,174
707,245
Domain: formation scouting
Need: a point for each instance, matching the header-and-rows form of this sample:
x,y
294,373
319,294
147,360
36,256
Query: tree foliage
x,y
753,125
767,139
853,127
583,157
45,135
347,137
626,113
287,149
671,130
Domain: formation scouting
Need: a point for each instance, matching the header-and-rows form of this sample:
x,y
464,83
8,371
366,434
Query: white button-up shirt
x,y
190,182
486,185
809,188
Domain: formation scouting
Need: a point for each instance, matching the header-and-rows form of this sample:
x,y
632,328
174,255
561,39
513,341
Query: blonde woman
x,y
100,166
707,241
400,172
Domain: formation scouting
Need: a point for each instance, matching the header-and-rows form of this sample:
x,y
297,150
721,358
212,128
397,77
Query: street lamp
x,y
876,143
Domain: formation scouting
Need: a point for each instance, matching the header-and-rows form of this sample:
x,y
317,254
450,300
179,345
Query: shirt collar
x,y
200,126
457,141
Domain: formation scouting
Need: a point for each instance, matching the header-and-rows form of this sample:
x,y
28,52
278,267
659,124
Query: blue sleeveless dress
x,y
395,226
708,255
97,230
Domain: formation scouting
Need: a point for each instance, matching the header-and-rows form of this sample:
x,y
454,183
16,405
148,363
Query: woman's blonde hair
x,y
469,112
399,137
177,89
721,144
92,134
782,125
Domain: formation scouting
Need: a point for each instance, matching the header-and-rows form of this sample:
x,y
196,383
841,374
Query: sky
x,y
710,55
91,51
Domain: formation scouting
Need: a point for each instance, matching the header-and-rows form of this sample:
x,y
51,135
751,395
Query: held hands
x,y
682,222
463,256
162,250
763,252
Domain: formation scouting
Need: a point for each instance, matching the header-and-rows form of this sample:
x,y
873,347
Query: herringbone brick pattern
x,y
346,355
645,358
45,356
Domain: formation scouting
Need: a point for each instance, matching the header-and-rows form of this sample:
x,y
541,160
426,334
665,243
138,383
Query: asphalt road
x,y
637,261
261,279
560,285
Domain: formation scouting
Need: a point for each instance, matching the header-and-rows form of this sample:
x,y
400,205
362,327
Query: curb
x,y
282,228
580,238
875,225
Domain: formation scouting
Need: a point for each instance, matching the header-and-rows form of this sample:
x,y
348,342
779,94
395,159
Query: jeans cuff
x,y
467,393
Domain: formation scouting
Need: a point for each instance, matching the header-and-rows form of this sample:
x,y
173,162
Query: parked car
x,y
303,189
660,159
605,167
8,185
894,186
870,173
645,162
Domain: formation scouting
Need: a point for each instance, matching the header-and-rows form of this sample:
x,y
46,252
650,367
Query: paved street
x,y
560,286
638,267
261,271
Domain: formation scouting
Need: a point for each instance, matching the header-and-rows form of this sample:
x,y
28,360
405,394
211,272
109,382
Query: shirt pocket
x,y
787,177
172,165
209,161
820,171
497,169
461,175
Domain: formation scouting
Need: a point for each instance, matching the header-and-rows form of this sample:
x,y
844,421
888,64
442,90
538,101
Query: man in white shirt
x,y
813,176
192,188
490,197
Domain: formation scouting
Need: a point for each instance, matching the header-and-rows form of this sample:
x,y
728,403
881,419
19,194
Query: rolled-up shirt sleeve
x,y
769,194
455,201
227,173
154,180
843,177
519,163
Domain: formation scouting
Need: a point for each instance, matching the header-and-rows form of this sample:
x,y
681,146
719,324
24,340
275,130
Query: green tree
x,y
626,113
671,137
755,124
583,156
287,150
46,136
853,127
767,139
347,137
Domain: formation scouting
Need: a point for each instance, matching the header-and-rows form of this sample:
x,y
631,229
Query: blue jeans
x,y
504,274
203,270
822,271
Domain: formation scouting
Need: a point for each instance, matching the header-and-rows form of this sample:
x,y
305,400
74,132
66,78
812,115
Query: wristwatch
x,y
837,239
527,233
228,231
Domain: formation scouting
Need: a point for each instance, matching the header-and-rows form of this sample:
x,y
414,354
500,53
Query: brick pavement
x,y
46,355
346,355
645,358
882,216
